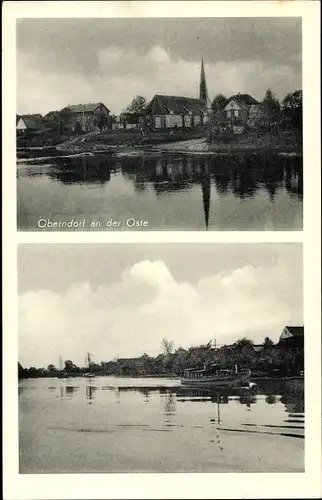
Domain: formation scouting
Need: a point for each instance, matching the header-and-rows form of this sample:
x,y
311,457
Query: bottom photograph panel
x,y
160,358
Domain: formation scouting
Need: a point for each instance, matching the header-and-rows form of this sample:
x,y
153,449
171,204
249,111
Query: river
x,y
108,424
161,191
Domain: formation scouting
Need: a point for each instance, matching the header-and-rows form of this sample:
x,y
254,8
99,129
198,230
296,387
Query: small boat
x,y
216,377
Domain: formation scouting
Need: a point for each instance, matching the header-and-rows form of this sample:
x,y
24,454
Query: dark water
x,y
168,191
153,425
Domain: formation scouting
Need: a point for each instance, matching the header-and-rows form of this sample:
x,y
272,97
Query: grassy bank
x,y
115,140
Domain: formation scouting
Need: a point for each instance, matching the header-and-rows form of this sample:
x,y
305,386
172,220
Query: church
x,y
179,112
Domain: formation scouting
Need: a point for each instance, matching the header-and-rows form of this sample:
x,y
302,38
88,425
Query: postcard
x,y
162,256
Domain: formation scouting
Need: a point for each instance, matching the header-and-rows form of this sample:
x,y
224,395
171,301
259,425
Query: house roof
x,y
80,108
296,331
51,114
34,121
245,99
179,105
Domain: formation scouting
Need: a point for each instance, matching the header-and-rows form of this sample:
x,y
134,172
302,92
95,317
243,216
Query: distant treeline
x,y
268,359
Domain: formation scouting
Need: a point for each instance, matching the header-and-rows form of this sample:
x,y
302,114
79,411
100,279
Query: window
x,y
157,122
229,113
236,112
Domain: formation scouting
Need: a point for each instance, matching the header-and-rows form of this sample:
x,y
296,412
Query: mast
x,y
88,360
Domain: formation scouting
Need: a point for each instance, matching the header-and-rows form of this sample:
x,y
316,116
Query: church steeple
x,y
203,94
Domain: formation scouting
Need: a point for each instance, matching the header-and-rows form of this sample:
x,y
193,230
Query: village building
x,y
29,123
91,117
126,121
240,111
82,117
292,336
177,111
30,129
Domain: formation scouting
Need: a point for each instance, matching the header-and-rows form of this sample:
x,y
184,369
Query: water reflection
x,y
209,429
170,404
90,393
270,399
217,175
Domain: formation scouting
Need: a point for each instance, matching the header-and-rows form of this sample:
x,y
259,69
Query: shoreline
x,y
197,143
156,150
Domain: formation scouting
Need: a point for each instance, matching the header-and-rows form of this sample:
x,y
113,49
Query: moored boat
x,y
216,377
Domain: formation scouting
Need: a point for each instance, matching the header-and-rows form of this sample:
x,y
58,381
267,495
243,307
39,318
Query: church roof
x,y
178,105
203,93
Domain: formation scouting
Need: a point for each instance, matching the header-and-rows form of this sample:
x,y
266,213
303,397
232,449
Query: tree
x,y
51,368
244,342
78,128
218,103
268,343
137,106
292,109
167,346
271,108
69,366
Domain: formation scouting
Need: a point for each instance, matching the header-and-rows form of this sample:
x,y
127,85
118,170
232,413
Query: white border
x,y
141,486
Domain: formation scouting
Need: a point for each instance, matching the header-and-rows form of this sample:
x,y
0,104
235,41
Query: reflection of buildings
x,y
68,391
82,170
239,175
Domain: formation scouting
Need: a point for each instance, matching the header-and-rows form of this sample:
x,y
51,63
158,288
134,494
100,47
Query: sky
x,y
72,61
121,300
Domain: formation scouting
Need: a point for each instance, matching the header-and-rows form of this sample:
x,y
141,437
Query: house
x,y
175,112
29,129
126,121
166,111
82,117
292,336
29,123
241,110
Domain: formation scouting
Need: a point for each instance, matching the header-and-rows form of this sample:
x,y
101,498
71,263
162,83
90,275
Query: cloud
x,y
69,61
123,73
131,316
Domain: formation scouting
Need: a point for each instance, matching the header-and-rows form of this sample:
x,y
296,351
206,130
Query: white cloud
x,y
122,74
132,316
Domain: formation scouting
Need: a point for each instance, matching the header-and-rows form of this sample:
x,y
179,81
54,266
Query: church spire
x,y
203,94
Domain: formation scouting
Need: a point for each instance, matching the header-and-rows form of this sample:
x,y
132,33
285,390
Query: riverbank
x,y
179,141
121,140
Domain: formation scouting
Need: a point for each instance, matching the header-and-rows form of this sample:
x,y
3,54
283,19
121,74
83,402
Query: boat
x,y
216,377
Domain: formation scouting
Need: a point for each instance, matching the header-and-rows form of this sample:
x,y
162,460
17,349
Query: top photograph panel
x,y
159,124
